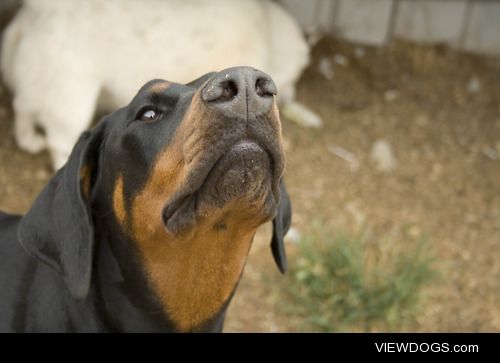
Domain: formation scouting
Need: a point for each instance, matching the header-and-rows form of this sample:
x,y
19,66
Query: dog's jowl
x,y
148,225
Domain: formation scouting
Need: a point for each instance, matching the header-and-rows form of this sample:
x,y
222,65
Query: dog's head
x,y
189,172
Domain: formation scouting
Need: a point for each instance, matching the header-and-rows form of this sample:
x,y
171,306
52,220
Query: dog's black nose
x,y
240,91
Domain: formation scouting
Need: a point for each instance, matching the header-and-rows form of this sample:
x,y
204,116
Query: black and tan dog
x,y
148,225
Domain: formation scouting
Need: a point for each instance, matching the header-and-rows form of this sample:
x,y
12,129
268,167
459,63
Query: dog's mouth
x,y
244,172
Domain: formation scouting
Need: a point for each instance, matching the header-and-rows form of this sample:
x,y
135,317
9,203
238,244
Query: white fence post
x,y
483,30
363,21
431,21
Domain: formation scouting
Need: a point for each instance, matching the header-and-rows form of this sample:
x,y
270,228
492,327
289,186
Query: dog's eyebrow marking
x,y
159,87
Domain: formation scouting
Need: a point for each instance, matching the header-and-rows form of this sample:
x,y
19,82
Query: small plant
x,y
341,284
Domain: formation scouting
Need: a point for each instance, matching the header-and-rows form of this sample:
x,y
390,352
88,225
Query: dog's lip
x,y
180,198
242,146
173,206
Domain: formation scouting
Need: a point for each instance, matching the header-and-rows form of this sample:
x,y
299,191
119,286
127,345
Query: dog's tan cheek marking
x,y
85,176
193,276
119,202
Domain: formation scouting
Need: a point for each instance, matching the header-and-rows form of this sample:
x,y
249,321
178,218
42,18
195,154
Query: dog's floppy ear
x,y
58,229
281,224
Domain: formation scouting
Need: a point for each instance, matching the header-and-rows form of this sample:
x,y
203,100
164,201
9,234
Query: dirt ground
x,y
439,110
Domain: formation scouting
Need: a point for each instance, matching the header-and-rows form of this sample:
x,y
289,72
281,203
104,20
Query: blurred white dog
x,y
65,60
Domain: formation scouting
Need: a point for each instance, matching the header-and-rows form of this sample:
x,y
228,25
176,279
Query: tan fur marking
x,y
194,277
119,202
159,87
85,176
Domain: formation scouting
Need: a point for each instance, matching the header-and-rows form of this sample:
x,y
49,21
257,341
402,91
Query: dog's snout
x,y
240,91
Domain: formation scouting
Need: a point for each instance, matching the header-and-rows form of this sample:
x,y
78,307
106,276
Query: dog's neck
x,y
128,302
174,283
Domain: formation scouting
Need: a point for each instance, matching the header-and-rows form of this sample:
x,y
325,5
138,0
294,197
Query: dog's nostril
x,y
217,91
229,91
264,87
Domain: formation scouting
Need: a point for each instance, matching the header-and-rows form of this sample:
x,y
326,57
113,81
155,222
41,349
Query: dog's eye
x,y
149,115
